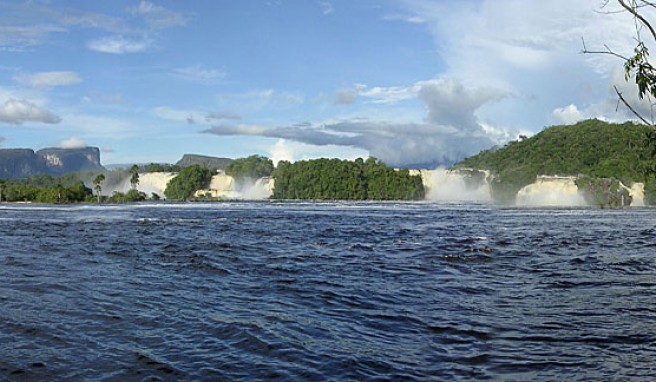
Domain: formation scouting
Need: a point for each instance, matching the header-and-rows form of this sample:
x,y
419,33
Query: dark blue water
x,y
334,291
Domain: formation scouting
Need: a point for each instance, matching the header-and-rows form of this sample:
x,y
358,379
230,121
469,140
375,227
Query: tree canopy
x,y
336,179
188,180
252,167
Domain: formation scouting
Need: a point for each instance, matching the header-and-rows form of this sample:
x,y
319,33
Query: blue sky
x,y
412,82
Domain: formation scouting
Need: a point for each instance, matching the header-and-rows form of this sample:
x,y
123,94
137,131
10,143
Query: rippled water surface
x,y
326,291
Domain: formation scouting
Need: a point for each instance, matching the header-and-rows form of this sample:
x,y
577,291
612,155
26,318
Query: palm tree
x,y
134,179
97,184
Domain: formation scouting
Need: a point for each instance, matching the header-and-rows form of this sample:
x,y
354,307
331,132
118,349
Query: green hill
x,y
591,148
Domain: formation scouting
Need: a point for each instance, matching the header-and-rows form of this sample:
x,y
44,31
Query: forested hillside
x,y
594,148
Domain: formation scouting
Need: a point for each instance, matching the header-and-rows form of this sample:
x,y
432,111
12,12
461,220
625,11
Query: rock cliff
x,y
206,161
22,163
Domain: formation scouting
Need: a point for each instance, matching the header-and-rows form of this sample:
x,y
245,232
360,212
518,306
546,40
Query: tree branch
x,y
607,51
628,105
632,9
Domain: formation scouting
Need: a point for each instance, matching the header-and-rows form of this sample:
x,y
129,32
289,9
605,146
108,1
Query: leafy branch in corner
x,y
636,66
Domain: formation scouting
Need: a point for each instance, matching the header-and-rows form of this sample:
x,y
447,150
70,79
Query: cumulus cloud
x,y
17,112
567,115
532,49
449,132
449,102
280,151
49,79
118,45
72,143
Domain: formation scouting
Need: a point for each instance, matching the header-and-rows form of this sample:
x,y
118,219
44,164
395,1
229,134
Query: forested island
x,y
335,179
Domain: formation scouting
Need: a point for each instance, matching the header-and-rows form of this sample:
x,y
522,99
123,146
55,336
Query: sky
x,y
418,83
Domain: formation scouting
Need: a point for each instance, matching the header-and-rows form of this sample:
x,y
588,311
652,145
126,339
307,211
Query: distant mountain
x,y
62,161
202,160
23,163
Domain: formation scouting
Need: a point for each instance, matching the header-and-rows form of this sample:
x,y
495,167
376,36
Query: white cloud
x,y
567,115
118,45
72,143
530,48
107,149
17,112
389,95
158,17
49,79
200,74
27,24
281,151
327,7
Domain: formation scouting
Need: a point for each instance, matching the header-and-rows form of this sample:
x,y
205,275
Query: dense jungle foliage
x,y
253,167
53,194
335,179
188,180
594,148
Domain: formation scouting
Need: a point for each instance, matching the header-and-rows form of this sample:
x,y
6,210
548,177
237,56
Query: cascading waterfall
x,y
551,191
456,185
226,187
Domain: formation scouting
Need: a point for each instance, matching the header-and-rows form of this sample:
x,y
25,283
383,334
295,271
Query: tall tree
x,y
134,176
97,184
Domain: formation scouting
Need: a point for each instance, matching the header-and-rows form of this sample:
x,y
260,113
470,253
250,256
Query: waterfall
x,y
224,186
637,192
462,185
551,191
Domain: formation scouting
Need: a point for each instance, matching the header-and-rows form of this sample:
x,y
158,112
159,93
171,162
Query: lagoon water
x,y
326,292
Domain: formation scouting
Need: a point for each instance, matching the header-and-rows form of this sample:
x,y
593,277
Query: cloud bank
x,y
450,131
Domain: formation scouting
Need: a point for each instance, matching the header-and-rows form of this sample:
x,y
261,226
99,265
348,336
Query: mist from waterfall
x,y
455,186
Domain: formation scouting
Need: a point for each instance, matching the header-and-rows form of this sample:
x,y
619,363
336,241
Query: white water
x,y
551,191
451,186
637,192
223,186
